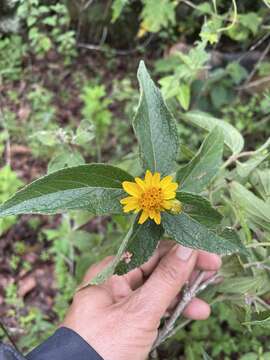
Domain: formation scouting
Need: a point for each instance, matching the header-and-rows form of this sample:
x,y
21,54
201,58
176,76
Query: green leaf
x,y
65,159
245,285
200,209
198,173
96,188
262,320
206,356
260,179
255,210
188,232
250,20
231,235
142,243
158,14
184,95
244,169
155,127
9,183
186,152
169,86
232,138
117,8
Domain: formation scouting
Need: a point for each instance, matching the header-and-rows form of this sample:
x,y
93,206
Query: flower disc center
x,y
151,199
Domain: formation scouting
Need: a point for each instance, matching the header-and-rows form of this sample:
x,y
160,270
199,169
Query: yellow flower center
x,y
151,199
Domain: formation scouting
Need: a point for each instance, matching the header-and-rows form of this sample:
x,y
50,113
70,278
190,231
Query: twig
x,y
179,327
262,302
102,48
266,3
258,265
8,336
257,244
263,55
251,84
188,295
86,5
233,158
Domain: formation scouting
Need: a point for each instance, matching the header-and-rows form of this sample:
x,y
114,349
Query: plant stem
x,y
103,275
262,302
179,327
98,146
188,295
233,158
254,245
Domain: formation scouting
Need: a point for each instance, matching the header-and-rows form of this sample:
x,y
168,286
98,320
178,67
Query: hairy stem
x,y
189,294
233,158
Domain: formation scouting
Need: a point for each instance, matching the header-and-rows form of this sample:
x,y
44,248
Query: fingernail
x,y
183,253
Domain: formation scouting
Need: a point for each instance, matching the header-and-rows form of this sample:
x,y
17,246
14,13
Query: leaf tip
x,y
142,70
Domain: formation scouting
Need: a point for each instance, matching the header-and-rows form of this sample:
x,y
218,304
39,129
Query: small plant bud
x,y
176,207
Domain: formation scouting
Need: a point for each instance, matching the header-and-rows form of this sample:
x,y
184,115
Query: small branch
x,y
262,302
5,331
179,327
267,3
86,5
258,265
233,158
188,295
263,55
255,83
257,244
102,48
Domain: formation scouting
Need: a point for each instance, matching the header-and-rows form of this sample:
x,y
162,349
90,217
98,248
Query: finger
x,y
113,289
193,277
167,279
208,261
138,276
197,309
118,287
121,286
95,269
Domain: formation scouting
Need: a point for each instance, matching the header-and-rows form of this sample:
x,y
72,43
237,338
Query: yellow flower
x,y
151,196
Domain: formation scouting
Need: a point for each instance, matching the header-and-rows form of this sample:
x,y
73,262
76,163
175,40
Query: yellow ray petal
x,y
156,179
132,188
130,207
148,178
165,181
166,205
171,187
128,199
151,214
140,182
144,216
168,195
157,218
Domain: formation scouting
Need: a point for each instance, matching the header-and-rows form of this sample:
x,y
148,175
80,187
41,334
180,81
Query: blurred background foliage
x,y
67,94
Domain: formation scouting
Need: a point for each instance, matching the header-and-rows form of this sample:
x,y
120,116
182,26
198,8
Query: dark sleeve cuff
x,y
65,344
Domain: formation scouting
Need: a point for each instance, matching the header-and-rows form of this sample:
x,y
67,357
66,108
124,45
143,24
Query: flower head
x,y
150,196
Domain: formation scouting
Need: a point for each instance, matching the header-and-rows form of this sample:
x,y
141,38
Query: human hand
x,y
120,318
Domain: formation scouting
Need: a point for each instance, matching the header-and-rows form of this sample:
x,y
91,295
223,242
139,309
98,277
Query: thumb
x,y
168,278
